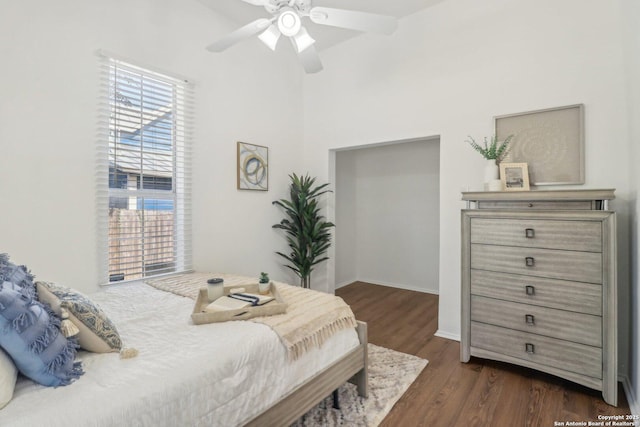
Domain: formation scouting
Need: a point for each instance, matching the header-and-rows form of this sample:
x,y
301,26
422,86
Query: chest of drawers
x,y
539,283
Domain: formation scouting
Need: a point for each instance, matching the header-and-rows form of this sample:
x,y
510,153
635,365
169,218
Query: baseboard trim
x,y
343,284
634,405
448,335
400,286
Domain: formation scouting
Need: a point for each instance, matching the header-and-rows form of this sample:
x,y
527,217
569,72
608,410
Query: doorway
x,y
387,214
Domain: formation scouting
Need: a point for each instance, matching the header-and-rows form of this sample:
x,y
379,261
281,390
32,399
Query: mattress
x,y
219,374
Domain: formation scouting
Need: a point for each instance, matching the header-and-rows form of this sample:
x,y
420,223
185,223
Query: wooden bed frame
x,y
351,367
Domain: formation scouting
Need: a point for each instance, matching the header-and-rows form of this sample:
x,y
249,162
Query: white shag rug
x,y
390,375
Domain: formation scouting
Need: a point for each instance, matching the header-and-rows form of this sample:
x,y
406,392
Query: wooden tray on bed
x,y
199,316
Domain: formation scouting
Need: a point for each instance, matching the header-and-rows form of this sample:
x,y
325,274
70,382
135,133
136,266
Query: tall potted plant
x,y
308,234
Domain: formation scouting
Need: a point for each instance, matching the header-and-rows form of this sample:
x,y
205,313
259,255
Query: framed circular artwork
x,y
253,167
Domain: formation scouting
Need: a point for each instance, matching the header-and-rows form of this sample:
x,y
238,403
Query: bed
x,y
228,374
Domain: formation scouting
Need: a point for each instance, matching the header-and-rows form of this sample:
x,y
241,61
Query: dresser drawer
x,y
565,325
553,234
551,263
561,294
569,356
537,205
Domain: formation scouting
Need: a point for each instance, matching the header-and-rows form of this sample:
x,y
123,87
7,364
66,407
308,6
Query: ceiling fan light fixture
x,y
286,19
270,37
289,23
303,40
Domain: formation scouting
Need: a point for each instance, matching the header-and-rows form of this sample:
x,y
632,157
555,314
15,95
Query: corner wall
x,y
447,71
630,9
49,83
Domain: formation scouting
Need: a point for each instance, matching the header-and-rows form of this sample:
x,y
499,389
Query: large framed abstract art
x,y
253,167
550,141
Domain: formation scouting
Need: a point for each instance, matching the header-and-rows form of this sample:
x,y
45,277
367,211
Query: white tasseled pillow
x,y
8,375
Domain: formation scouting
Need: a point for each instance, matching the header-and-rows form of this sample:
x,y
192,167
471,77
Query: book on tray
x,y
238,300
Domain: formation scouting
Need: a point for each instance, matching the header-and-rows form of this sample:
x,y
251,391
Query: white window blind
x,y
144,187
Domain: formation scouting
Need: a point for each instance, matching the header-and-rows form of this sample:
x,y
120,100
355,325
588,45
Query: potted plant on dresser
x,y
493,152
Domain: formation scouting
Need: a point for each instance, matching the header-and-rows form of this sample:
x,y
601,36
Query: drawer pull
x,y
530,348
529,261
530,319
530,290
529,233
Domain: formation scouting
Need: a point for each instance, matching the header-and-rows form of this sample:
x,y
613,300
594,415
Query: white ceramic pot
x,y
491,171
264,288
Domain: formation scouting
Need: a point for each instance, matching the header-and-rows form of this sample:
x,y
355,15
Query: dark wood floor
x,y
451,393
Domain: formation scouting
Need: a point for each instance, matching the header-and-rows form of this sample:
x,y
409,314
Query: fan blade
x,y
239,35
361,21
257,2
309,59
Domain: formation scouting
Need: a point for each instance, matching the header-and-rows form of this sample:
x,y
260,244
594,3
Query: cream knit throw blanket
x,y
311,318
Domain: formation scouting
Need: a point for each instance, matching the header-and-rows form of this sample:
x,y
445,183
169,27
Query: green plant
x,y
491,150
264,277
308,234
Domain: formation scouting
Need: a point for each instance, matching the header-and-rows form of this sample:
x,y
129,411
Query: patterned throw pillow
x,y
17,274
30,334
97,334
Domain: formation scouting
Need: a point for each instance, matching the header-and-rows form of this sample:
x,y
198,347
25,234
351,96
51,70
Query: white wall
x,y
345,256
48,123
631,39
452,67
387,217
446,72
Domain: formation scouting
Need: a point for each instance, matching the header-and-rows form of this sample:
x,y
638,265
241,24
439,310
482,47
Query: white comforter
x,y
219,374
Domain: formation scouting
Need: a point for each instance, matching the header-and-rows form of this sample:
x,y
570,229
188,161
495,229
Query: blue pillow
x,y
30,334
17,274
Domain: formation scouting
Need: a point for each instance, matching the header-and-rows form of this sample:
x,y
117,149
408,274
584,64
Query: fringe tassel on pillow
x,y
128,353
67,327
22,321
41,343
67,353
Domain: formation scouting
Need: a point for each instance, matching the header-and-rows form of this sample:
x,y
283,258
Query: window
x,y
144,207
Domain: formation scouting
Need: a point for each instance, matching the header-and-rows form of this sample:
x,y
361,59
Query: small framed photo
x,y
253,167
514,176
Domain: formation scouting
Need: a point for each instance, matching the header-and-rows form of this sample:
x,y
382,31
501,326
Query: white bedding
x,y
219,374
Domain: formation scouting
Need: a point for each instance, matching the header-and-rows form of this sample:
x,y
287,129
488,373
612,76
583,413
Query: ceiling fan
x,y
287,21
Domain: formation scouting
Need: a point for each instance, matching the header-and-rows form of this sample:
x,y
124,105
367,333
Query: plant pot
x,y
491,170
264,288
491,173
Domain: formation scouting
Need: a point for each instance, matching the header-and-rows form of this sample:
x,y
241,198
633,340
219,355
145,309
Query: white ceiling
x,y
242,13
